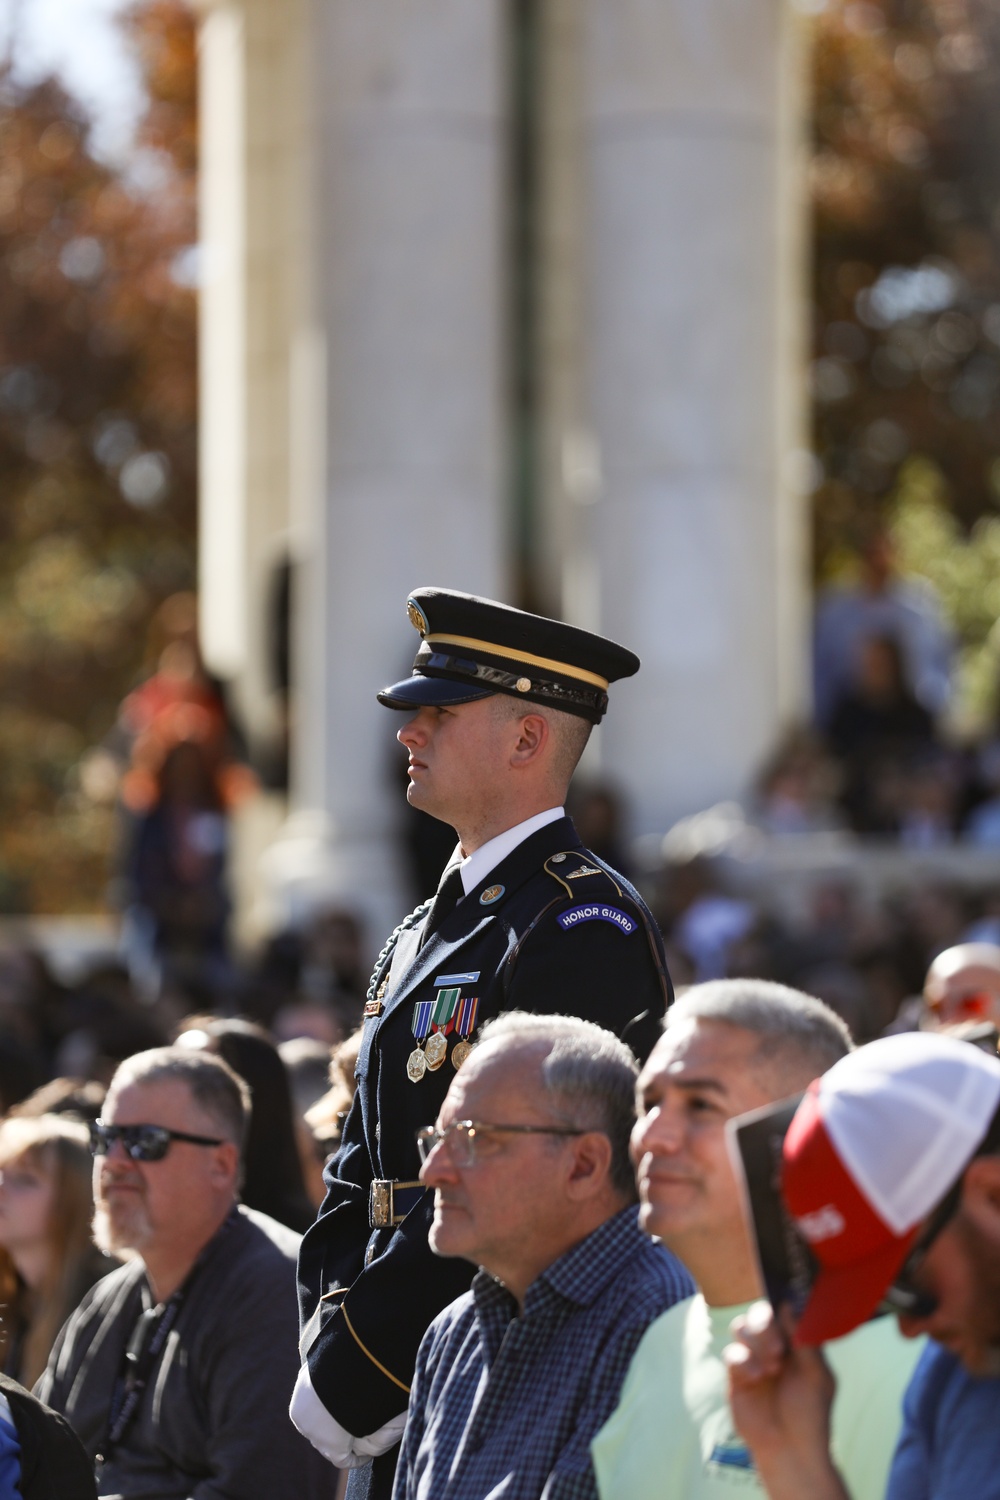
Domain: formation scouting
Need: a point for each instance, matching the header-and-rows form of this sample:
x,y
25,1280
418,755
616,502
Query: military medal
x,y
416,1063
465,1025
435,1050
442,1022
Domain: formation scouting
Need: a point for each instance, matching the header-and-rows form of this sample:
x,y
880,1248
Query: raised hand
x,y
781,1397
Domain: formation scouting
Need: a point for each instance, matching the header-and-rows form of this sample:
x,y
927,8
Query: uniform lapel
x,y
407,947
470,917
438,949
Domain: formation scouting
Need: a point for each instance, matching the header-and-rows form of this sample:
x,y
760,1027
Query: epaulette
x,y
580,876
415,916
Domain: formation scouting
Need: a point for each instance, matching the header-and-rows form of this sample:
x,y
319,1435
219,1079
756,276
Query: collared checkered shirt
x,y
506,1406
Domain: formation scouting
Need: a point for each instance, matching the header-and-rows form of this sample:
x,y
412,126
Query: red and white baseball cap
x,y
873,1147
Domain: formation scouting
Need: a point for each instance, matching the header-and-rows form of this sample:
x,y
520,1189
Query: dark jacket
x,y
603,961
213,1420
54,1465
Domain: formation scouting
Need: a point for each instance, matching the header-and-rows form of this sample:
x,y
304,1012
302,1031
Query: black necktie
x,y
449,894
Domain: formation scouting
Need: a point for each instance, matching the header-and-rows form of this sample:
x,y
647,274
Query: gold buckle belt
x,y
390,1201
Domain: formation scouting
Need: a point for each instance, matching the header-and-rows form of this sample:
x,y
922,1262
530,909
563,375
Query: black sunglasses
x,y
905,1295
142,1142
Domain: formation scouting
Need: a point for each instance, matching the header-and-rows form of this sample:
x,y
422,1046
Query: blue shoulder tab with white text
x,y
594,911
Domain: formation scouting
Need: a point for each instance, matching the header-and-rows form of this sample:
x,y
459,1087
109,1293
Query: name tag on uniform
x,y
445,981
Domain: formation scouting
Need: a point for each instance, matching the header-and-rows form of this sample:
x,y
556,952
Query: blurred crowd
x,y
879,759
864,953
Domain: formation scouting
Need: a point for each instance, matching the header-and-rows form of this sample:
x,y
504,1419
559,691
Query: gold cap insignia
x,y
523,684
416,616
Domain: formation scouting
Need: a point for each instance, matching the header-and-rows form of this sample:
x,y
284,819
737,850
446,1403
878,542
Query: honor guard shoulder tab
x,y
593,891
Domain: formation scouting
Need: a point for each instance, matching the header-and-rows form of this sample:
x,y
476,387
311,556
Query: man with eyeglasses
x,y
498,710
532,1184
890,1175
729,1046
176,1369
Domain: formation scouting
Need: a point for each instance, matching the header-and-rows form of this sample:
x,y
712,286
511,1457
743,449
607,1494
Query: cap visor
x,y
843,1297
418,690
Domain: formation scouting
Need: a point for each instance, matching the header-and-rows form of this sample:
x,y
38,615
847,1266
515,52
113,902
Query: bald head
x,y
963,984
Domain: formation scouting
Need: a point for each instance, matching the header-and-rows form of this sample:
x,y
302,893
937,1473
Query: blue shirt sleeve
x,y
10,1458
949,1445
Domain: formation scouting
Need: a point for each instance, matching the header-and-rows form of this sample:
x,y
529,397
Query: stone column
x,y
397,392
676,415
255,255
254,144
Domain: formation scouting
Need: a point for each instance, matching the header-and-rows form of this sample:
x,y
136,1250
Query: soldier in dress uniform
x,y
500,705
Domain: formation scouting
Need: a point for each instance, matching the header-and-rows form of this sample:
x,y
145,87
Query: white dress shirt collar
x,y
476,866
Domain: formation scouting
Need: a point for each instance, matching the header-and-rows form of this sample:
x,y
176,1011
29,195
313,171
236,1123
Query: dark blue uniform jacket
x,y
565,935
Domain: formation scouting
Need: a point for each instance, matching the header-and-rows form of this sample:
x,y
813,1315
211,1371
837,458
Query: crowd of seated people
x,y
641,1406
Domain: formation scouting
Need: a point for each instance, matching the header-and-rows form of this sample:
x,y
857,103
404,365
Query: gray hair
x,y
588,1077
212,1084
796,1032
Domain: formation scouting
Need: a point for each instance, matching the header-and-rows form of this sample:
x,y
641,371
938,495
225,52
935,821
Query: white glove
x,y
335,1443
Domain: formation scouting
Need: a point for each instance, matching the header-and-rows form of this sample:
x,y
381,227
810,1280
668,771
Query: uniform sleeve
x,y
361,1363
333,1249
602,969
361,1360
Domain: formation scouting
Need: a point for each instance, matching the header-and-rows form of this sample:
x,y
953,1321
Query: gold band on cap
x,y
545,662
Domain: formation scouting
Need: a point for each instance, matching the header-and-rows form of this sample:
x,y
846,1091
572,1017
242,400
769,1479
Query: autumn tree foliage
x,y
97,446
906,197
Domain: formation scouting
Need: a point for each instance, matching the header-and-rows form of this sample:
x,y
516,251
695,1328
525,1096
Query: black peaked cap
x,y
472,647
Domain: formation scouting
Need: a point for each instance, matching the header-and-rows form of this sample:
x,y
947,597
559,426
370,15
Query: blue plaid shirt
x,y
505,1405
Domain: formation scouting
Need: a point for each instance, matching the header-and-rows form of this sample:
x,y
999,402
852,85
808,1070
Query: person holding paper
x,y
729,1046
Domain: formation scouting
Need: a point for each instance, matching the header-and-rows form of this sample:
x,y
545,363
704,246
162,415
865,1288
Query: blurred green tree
x,y
97,445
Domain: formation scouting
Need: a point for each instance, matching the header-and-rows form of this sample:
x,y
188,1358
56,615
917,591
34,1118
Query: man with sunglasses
x,y
176,1369
532,1184
890,1175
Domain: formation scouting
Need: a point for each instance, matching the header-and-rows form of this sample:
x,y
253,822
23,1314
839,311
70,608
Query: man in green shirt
x,y
730,1046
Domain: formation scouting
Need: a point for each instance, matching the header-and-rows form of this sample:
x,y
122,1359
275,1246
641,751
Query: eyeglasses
x,y
905,1295
463,1135
142,1142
